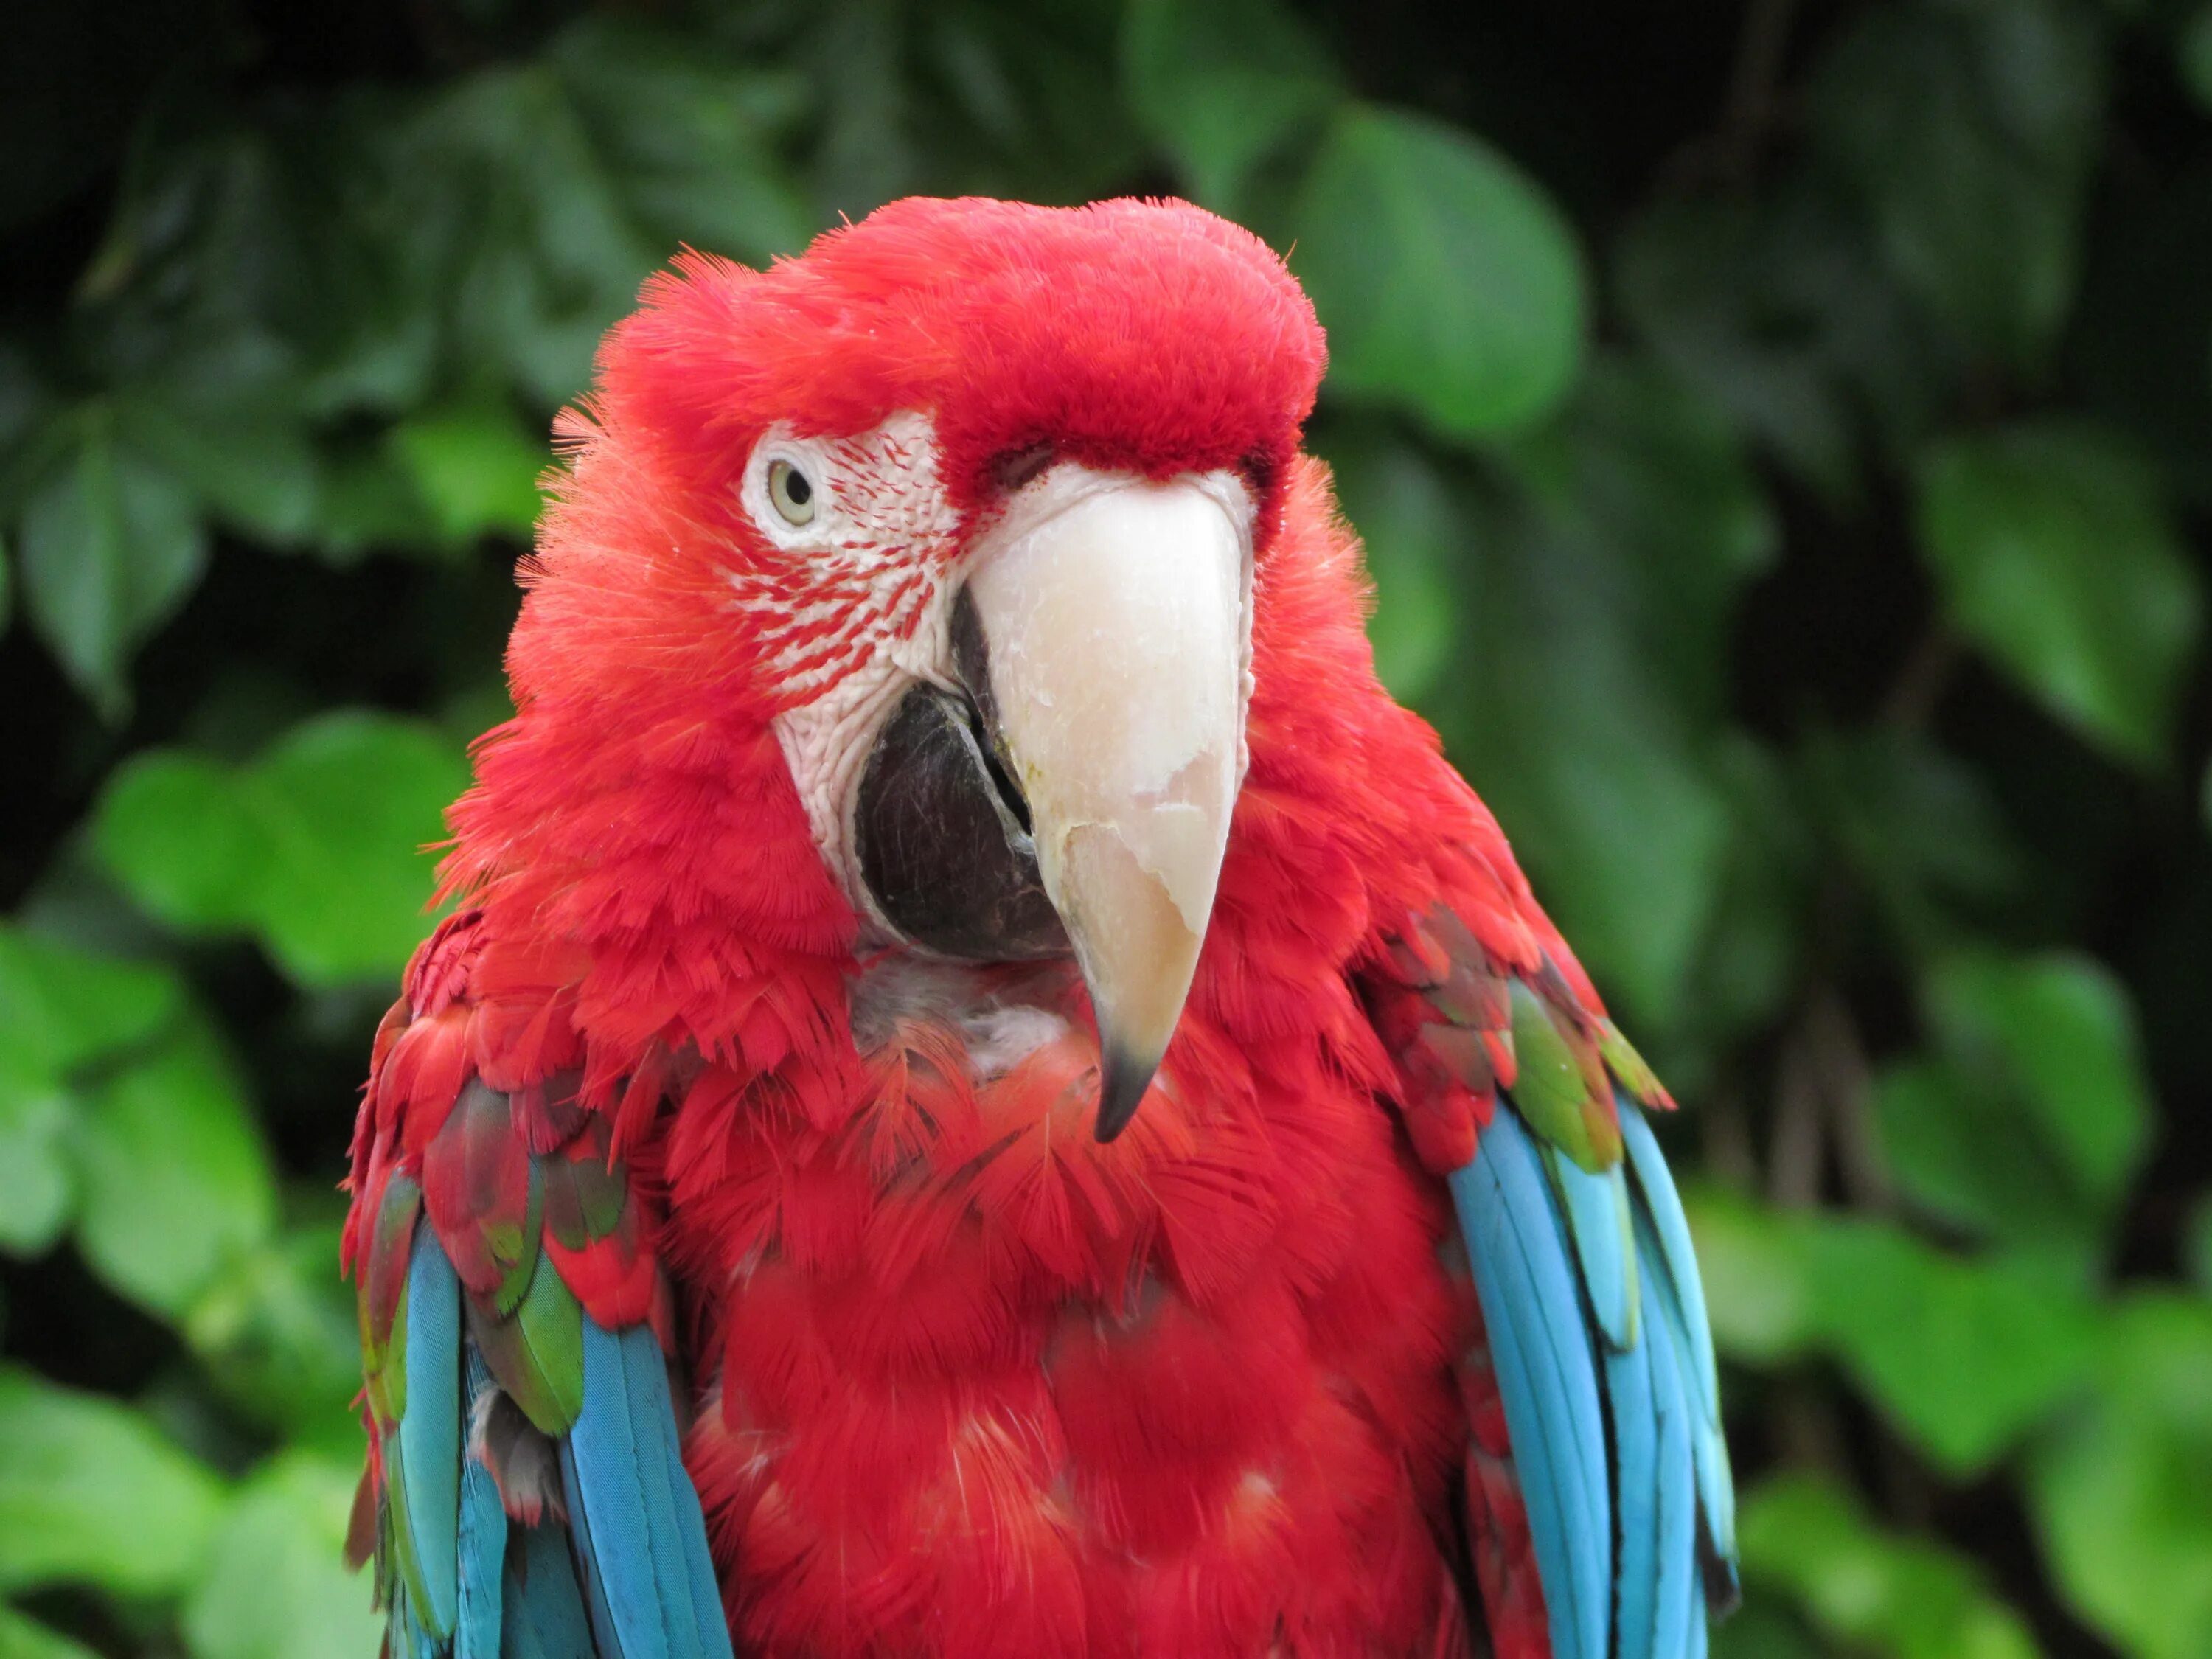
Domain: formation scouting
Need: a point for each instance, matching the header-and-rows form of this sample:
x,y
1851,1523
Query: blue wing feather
x,y
1547,1378
543,1609
1638,1430
1674,1264
482,1548
1587,1284
426,1475
1596,1215
1676,1597
639,1525
629,1577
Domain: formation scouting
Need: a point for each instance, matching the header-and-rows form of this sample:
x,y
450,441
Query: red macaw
x,y
989,1092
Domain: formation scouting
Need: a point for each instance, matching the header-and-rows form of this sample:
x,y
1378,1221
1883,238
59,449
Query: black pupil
x,y
796,486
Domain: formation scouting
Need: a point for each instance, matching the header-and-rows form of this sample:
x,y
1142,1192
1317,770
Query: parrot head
x,y
963,510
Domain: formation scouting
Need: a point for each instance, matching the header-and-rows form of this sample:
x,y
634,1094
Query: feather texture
x,y
1628,1497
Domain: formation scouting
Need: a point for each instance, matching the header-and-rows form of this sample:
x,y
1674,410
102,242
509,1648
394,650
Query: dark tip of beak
x,y
1123,1077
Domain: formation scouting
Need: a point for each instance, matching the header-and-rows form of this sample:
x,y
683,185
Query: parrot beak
x,y
1105,643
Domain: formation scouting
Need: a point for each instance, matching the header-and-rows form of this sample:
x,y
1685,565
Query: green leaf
x,y
176,826
276,1331
475,466
91,1494
1773,308
315,847
1585,704
1221,87
350,800
1752,1262
175,1181
2060,1031
276,1586
26,1638
1873,1590
36,1184
1649,464
1968,131
1915,826
110,546
252,464
691,136
2197,1244
1449,281
62,1008
2055,555
1963,1355
1413,535
2030,1125
2121,1492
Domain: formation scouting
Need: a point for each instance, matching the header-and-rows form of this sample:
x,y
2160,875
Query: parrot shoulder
x,y
525,1478
1597,1472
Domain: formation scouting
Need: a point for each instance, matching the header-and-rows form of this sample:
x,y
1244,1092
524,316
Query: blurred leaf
x,y
1969,129
253,467
2055,555
2061,1032
1651,466
691,137
350,798
1876,1591
1587,701
315,846
276,1586
1749,963
1563,721
276,1331
475,466
175,1182
2122,1492
1772,309
2195,55
2197,1244
1414,537
35,1186
26,1638
1761,1630
179,831
1915,826
2032,1123
1449,281
370,500
110,547
1752,1261
1963,1355
90,1494
1220,84
62,1007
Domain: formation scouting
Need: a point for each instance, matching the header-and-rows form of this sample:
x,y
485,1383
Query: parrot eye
x,y
792,492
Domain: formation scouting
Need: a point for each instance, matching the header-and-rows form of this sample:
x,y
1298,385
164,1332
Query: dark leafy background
x,y
1783,434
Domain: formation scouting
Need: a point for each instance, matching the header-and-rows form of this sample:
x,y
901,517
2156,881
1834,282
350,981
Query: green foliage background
x,y
1783,435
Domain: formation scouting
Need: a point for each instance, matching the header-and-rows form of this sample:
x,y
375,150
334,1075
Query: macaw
x,y
987,1090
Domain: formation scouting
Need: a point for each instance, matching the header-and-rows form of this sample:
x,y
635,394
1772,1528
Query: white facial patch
x,y
864,569
856,608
